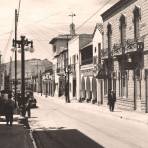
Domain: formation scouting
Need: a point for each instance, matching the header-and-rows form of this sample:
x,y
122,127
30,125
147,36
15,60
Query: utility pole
x,y
10,74
15,37
67,71
0,72
41,82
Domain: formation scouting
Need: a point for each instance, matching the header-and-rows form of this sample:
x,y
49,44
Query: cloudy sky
x,y
41,20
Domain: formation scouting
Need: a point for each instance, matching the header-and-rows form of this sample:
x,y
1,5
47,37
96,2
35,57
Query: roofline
x,y
87,45
55,39
62,37
96,28
115,7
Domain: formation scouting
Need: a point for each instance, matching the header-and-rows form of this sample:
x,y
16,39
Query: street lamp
x,y
23,42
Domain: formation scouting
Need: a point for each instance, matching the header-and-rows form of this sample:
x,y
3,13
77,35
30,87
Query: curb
x,y
25,122
32,138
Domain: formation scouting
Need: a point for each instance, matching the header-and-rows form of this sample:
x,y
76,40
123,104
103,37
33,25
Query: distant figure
x,y
9,110
67,93
111,100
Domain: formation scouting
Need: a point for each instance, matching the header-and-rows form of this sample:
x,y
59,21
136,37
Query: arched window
x,y
136,21
109,35
122,29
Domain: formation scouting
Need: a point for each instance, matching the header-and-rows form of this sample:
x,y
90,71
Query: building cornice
x,y
122,3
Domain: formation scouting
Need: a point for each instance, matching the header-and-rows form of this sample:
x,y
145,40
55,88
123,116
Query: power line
x,y
92,16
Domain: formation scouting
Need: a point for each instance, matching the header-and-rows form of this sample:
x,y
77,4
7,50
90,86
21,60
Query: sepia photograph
x,y
73,73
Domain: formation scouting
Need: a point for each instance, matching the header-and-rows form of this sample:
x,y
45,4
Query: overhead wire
x,y
55,30
90,17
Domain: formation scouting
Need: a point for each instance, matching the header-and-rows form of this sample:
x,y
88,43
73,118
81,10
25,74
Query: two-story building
x,y
125,53
60,45
75,60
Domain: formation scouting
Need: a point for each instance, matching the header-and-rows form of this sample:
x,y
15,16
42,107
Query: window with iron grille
x,y
122,29
136,21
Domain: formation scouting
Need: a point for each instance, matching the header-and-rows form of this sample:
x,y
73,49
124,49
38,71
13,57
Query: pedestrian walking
x,y
109,99
113,100
9,110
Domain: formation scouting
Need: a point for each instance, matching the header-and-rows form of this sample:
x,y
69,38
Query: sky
x,y
41,20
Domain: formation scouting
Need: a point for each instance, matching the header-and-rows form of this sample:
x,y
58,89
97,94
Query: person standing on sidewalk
x,y
9,110
112,100
109,99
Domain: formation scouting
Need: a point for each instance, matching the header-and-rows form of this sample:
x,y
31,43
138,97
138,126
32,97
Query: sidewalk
x,y
103,109
15,136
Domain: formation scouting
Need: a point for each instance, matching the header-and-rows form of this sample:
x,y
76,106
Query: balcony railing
x,y
134,46
130,45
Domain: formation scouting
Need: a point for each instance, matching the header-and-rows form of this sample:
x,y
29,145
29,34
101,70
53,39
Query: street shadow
x,y
67,138
14,137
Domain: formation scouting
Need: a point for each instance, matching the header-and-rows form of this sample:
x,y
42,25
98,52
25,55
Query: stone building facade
x,y
125,53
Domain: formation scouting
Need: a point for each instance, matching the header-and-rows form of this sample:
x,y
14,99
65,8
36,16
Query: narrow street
x,y
56,124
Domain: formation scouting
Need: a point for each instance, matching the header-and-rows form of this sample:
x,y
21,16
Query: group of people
x,y
8,105
111,100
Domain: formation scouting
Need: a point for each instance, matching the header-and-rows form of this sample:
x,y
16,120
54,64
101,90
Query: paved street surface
x,y
57,124
14,137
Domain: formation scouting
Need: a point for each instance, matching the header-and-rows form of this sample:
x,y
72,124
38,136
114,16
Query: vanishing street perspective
x,y
74,74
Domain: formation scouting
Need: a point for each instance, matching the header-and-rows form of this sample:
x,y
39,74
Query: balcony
x,y
134,46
